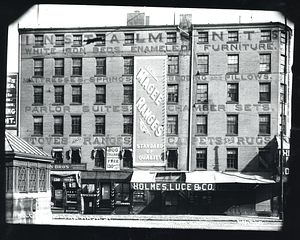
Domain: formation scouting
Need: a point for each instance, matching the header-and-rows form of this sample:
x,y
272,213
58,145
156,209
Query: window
x,y
100,39
129,38
88,188
38,125
265,35
264,124
22,179
101,66
171,37
173,62
98,156
59,66
122,192
172,93
202,64
59,40
232,124
77,40
76,125
203,37
232,155
38,67
128,94
172,158
202,93
77,66
42,179
59,125
59,94
127,158
38,95
233,63
57,154
232,92
101,94
282,93
76,94
100,124
128,65
127,124
264,92
201,158
39,40
265,62
75,155
202,124
172,124
282,64
233,36
32,183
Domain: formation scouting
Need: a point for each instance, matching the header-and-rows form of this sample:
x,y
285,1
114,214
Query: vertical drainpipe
x,y
190,121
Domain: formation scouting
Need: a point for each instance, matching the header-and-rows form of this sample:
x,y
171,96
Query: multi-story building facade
x,y
136,116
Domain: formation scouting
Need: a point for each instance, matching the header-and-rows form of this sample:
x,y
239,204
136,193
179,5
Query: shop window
x,y
138,196
171,37
58,125
233,63
202,93
77,66
59,94
128,65
38,67
74,154
265,35
172,124
127,158
22,179
59,40
172,93
202,124
122,192
232,92
264,124
59,67
232,124
128,124
201,158
232,158
172,158
76,125
88,188
100,124
32,183
99,157
265,62
202,64
38,125
173,64
128,94
57,154
100,66
171,199
233,36
38,97
202,37
42,179
264,92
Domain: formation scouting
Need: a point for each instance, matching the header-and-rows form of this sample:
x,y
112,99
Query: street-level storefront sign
x,y
81,166
174,186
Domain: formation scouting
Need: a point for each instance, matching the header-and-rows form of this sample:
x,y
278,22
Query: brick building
x,y
132,132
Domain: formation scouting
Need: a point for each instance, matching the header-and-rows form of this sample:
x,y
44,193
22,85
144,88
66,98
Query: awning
x,y
286,143
143,176
67,174
224,177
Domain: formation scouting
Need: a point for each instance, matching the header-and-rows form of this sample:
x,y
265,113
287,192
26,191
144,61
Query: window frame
x,y
202,37
128,38
203,66
173,64
38,96
59,67
265,63
201,158
232,124
265,36
77,40
38,40
38,67
233,36
173,93
232,93
100,126
76,96
58,126
128,94
77,66
100,94
101,39
232,159
59,40
264,96
76,125
264,126
127,124
38,123
127,160
171,37
128,65
233,63
101,66
201,128
202,93
172,124
172,163
76,159
59,95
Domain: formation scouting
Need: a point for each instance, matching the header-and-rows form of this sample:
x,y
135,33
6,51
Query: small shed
x,y
28,192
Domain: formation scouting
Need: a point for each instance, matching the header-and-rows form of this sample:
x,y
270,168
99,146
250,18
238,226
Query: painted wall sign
x,y
149,110
235,77
11,101
237,47
112,158
174,186
55,167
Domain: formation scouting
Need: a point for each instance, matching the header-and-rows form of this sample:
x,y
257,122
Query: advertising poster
x,y
149,110
112,158
11,101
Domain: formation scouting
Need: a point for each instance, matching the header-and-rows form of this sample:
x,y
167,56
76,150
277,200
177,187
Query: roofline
x,y
26,156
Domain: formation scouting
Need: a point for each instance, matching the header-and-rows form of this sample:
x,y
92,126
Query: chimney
x,y
185,21
137,19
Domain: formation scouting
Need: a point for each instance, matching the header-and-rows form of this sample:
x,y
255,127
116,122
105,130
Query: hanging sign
x,y
112,158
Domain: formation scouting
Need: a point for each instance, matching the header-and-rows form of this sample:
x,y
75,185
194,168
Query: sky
x,y
56,16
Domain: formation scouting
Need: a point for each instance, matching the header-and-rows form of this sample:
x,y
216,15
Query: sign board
x,y
174,186
79,166
11,101
112,158
149,110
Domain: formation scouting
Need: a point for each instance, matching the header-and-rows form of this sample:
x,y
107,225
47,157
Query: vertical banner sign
x,y
112,158
149,111
11,101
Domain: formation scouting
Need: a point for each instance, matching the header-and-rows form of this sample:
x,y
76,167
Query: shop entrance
x,y
105,196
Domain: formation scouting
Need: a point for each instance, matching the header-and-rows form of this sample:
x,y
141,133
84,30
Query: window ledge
x,y
37,76
231,102
202,42
57,104
76,104
263,72
100,75
57,135
231,135
264,134
99,44
63,45
98,134
264,101
76,75
170,43
58,76
36,135
98,103
75,135
200,169
231,170
37,104
172,103
201,135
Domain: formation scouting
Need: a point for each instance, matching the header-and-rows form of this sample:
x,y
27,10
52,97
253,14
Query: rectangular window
x,y
77,40
129,38
202,93
128,65
127,124
59,125
203,37
38,97
99,156
59,94
202,64
32,183
38,125
127,158
88,188
173,64
100,65
232,92
59,40
282,64
233,63
42,179
172,158
128,94
265,62
77,66
232,158
264,124
101,94
76,94
38,67
202,124
39,40
100,124
100,39
57,154
22,179
171,37
232,124
233,36
201,158
172,93
75,156
265,35
76,125
59,67
122,192
172,124
264,92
